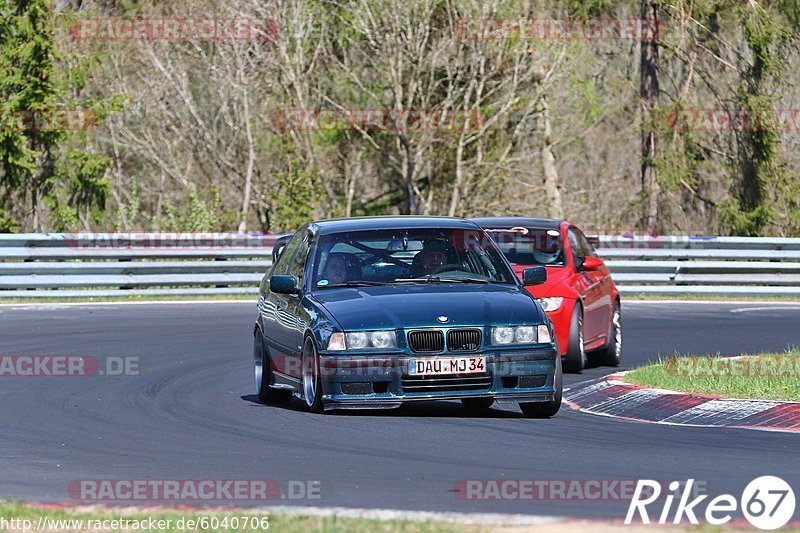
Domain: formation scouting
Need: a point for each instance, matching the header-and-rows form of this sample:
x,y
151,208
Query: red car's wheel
x,y
610,355
575,360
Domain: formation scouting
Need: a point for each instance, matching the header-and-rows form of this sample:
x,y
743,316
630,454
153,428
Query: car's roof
x,y
510,222
390,222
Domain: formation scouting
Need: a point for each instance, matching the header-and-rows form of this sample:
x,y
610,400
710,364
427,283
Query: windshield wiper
x,y
438,279
354,284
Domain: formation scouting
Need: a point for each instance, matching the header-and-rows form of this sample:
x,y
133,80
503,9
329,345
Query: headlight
x,y
525,334
551,304
502,335
521,334
382,339
363,340
357,340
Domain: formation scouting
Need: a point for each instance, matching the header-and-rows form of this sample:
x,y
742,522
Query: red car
x,y
579,296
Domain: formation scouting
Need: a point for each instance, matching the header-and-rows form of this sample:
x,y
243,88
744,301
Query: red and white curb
x,y
611,396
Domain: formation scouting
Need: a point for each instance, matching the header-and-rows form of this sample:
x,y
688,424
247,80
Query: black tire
x,y
477,404
312,387
546,409
575,361
262,369
610,355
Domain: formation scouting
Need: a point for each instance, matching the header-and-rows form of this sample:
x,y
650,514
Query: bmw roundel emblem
x,y
443,319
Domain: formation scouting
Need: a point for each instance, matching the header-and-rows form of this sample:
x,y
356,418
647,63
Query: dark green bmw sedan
x,y
376,311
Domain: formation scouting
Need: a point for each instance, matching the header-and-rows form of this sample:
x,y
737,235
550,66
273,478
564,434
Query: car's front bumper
x,y
360,381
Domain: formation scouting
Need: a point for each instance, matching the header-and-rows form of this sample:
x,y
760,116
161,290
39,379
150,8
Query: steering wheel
x,y
448,267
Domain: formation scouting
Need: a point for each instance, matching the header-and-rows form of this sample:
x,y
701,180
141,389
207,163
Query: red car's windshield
x,y
530,246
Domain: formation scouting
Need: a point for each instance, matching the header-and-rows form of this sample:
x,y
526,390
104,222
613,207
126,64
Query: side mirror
x,y
283,285
534,276
591,263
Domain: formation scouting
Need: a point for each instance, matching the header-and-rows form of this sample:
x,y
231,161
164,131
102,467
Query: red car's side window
x,y
581,247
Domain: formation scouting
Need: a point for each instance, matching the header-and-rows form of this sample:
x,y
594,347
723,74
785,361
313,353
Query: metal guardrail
x,y
143,264
703,265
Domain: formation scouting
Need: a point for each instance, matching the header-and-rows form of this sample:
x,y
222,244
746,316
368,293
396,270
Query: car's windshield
x,y
529,246
411,255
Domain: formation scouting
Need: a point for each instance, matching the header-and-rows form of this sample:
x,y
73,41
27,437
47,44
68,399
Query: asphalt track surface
x,y
191,414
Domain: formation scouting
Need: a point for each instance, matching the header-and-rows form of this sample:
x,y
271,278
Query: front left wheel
x,y
312,388
547,409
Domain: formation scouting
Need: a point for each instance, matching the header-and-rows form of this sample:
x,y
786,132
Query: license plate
x,y
438,366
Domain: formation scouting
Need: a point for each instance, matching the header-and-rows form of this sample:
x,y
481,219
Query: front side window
x,y
298,263
412,255
285,259
581,249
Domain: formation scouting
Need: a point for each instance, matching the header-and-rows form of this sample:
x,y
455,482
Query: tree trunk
x,y
35,209
251,156
410,169
455,197
552,183
648,90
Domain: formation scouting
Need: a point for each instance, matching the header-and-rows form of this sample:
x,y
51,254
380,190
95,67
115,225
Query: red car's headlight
x,y
551,304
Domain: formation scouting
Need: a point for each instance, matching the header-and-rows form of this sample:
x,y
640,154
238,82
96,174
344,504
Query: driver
x,y
432,257
335,270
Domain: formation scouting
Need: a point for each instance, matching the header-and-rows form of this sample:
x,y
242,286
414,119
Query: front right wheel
x,y
262,371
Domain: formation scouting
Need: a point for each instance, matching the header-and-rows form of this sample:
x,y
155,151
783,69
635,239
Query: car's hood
x,y
414,306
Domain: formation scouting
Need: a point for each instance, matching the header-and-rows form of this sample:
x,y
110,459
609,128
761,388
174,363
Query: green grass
x,y
761,377
277,522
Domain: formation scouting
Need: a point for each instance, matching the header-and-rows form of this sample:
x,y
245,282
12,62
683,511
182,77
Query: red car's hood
x,y
555,276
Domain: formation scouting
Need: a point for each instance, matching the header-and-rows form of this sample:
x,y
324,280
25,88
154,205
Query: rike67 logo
x,y
767,502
